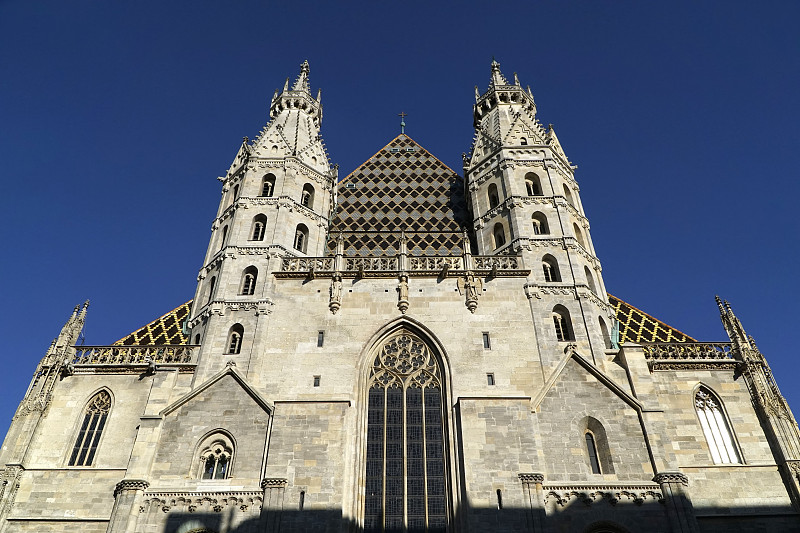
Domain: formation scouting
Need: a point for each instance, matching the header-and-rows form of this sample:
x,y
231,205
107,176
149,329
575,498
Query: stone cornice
x,y
130,484
614,493
671,477
273,483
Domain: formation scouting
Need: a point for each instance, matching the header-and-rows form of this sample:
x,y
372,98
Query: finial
x,y
477,95
497,76
516,80
275,96
302,80
719,304
286,85
319,95
402,116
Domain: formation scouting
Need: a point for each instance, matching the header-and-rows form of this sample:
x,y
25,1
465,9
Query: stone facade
x,y
402,349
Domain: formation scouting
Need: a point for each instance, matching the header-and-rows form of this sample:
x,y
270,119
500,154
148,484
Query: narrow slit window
x,y
591,448
487,342
499,499
490,379
320,338
302,500
316,381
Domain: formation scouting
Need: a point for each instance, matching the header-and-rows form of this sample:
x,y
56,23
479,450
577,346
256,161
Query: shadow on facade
x,y
576,515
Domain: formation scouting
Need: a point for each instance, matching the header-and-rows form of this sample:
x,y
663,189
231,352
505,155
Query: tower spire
x,y
302,80
497,76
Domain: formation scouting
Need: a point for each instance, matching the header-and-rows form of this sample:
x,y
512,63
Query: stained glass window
x,y
405,473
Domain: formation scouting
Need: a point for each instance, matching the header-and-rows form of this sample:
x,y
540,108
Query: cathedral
x,y
404,348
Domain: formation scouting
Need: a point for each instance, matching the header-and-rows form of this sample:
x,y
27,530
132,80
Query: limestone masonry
x,y
402,349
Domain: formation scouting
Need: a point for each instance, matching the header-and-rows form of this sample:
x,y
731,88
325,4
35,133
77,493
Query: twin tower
x,y
517,208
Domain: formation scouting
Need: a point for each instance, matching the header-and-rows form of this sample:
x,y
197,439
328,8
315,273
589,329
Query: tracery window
x,y
249,278
259,225
715,427
268,185
405,472
94,420
235,339
216,456
307,198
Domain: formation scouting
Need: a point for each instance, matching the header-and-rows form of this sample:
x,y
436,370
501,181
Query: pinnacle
x,y
302,80
497,76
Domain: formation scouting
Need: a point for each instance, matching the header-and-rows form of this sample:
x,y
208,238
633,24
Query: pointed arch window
x,y
211,284
589,279
224,237
235,339
550,269
307,198
591,448
259,226
562,324
249,278
301,238
715,427
578,235
216,457
499,235
92,425
539,222
494,198
268,185
568,195
532,184
405,465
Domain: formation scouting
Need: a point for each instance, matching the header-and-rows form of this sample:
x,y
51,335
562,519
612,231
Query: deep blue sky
x,y
116,118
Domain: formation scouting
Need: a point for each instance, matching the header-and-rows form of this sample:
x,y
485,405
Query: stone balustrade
x,y
135,355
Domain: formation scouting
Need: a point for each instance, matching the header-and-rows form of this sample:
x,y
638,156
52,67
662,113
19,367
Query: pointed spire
x,y
274,96
319,95
497,76
302,80
732,324
286,85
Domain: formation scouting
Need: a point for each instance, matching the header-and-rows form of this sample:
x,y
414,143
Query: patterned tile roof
x,y
167,329
637,326
401,188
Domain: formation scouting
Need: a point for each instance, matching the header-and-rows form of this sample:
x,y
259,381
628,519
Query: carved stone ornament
x,y
671,477
531,478
402,294
562,495
794,468
471,288
130,484
335,292
273,483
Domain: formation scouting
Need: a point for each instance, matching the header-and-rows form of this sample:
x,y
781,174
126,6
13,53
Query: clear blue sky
x,y
117,117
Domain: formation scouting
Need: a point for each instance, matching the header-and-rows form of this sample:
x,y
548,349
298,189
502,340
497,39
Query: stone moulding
x,y
274,482
130,484
614,493
206,501
531,478
671,477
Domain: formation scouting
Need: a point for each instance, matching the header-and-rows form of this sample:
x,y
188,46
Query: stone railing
x,y
688,350
393,265
689,355
305,264
176,354
370,263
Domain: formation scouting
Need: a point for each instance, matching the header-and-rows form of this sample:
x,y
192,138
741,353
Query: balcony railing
x,y
176,354
688,350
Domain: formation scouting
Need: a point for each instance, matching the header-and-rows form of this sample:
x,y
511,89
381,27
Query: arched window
x,y
499,235
562,324
268,185
550,268
578,235
405,466
216,456
589,279
604,331
715,427
211,284
532,184
539,222
591,448
235,339
91,429
301,238
259,225
568,195
307,197
224,237
494,198
595,443
249,278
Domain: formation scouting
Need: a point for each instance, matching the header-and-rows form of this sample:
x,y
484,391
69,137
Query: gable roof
x,y
166,329
637,326
228,371
403,187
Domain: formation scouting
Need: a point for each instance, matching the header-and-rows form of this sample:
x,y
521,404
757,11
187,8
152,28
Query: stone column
x,y
127,498
272,507
674,487
534,496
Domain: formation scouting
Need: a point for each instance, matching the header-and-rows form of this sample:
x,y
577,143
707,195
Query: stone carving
x,y
335,292
531,478
638,494
9,485
470,287
191,502
794,468
273,482
130,484
405,359
671,477
133,355
402,294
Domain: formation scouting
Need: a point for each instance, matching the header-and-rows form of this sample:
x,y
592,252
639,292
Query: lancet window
x,y
307,198
499,235
715,427
405,466
94,421
268,185
301,238
235,339
562,324
259,225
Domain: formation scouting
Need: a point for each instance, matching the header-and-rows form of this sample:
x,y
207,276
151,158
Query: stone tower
x,y
276,200
524,199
